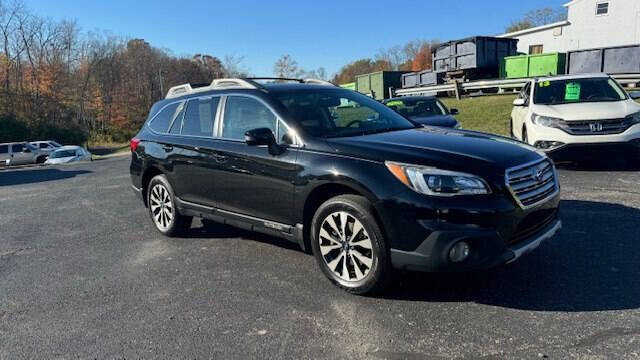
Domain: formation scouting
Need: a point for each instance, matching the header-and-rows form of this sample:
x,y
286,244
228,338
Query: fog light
x,y
548,145
459,252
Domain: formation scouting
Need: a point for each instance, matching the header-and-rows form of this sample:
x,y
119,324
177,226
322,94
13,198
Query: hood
x,y
589,111
60,160
440,147
436,120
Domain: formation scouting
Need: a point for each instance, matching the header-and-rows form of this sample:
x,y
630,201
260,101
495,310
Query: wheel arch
x,y
147,175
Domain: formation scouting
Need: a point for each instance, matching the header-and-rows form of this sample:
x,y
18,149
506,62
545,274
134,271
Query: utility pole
x,y
161,85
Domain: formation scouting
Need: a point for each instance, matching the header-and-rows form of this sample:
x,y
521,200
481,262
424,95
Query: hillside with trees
x,y
57,82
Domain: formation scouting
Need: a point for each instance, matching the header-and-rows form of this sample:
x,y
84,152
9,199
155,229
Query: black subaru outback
x,y
363,188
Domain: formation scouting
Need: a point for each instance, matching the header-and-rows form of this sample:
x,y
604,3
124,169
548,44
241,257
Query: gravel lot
x,y
84,274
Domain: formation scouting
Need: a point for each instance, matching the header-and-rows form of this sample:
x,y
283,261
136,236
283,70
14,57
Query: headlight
x,y
432,181
634,118
546,121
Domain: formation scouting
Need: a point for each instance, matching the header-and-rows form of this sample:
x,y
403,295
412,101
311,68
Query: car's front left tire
x,y
162,208
349,245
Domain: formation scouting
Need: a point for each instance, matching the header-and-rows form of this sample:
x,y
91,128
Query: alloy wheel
x,y
346,247
162,209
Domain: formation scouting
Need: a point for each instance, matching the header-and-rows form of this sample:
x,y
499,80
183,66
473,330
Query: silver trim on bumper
x,y
530,245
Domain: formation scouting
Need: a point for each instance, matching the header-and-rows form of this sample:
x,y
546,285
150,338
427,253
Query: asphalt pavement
x,y
83,274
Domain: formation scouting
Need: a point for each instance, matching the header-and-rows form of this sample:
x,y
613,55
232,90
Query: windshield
x,y
63,154
418,107
338,113
577,91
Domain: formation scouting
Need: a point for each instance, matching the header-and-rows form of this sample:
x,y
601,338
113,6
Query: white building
x,y
590,24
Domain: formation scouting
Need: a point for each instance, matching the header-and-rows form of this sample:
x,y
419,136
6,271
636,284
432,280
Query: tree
x,y
537,17
286,67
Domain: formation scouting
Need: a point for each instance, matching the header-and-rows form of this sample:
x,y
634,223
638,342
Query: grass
x,y
483,113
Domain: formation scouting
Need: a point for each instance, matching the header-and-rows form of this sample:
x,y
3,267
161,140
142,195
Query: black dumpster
x,y
476,57
611,60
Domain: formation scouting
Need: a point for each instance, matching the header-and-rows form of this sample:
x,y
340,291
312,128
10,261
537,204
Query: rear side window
x,y
242,114
199,118
166,116
4,149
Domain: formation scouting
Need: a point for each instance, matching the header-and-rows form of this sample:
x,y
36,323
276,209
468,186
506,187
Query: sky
x,y
325,33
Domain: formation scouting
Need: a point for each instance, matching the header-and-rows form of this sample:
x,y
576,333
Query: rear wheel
x,y
349,246
162,209
41,159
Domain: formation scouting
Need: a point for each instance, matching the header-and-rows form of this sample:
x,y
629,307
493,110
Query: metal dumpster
x,y
429,77
410,80
514,67
377,84
350,86
611,60
478,57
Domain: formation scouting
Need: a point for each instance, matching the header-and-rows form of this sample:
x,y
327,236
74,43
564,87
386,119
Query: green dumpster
x,y
349,86
514,67
377,84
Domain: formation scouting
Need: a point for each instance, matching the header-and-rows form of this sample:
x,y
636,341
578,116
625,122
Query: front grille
x,y
596,127
532,183
532,224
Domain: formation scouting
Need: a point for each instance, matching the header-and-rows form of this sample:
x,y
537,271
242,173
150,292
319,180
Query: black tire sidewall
x,y
360,208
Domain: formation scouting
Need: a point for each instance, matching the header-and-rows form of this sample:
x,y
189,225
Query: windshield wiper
x,y
381,130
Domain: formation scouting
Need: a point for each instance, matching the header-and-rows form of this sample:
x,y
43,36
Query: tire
x,y
513,136
368,266
162,210
525,137
41,159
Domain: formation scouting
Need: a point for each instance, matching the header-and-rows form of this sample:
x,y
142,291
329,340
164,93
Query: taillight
x,y
134,144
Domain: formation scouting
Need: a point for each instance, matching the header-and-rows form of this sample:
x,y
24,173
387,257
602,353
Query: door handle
x,y
167,148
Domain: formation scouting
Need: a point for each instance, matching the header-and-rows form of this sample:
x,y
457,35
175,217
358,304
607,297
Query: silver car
x,y
67,154
46,146
20,153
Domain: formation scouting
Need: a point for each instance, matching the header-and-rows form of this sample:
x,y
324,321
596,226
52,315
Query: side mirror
x,y
454,111
519,102
635,95
263,136
260,136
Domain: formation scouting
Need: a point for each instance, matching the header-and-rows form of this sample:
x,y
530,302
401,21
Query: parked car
x,y
20,153
575,116
67,154
363,188
46,146
426,110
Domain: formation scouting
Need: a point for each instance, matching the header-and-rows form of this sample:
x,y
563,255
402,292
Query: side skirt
x,y
293,233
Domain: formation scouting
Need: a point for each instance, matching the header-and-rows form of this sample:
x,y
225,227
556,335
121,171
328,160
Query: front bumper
x,y
538,133
422,231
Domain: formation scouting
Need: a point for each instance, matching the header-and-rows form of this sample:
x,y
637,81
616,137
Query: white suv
x,y
20,153
576,114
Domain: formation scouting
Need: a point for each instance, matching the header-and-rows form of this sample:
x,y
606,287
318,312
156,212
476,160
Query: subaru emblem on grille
x,y
595,127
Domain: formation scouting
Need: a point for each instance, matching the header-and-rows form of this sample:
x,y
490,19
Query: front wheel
x,y
162,208
525,137
349,246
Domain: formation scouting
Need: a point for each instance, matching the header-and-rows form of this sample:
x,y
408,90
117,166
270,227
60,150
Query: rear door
x,y
252,181
193,154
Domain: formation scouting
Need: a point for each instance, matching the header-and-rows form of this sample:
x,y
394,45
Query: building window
x,y
602,8
535,49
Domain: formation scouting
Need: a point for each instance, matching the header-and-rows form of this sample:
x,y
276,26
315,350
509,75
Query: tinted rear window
x,y
163,119
4,149
198,120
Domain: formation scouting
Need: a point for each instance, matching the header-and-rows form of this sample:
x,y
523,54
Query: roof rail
x,y
317,82
217,84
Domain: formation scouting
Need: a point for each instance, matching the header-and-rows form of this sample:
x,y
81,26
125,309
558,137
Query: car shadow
x,y
17,177
203,229
593,264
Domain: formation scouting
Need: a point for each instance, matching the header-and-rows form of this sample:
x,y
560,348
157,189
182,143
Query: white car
x,y
577,115
67,154
46,146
